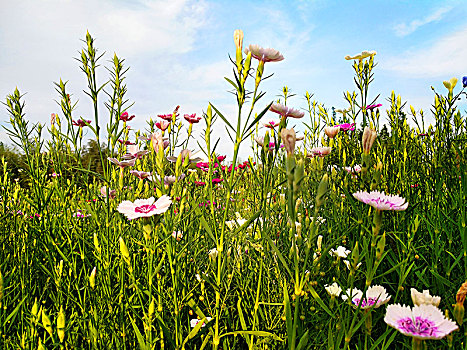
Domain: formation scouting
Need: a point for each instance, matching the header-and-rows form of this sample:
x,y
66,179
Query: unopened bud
x,y
289,138
92,278
61,325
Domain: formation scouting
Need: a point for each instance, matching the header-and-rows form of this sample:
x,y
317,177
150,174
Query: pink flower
x,y
353,170
158,141
126,143
320,151
54,174
264,55
125,117
424,321
382,201
140,174
134,152
346,127
331,131
124,163
80,122
192,118
185,153
144,208
285,111
217,181
271,124
166,117
221,158
200,183
375,296
163,125
371,107
112,193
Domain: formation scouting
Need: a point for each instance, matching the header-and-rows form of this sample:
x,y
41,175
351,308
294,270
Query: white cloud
x,y
445,58
404,29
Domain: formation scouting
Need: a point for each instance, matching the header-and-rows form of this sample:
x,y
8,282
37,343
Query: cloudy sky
x,y
178,50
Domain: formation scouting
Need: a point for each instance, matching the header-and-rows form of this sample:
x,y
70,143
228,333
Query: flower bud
x,y
61,325
92,278
322,189
124,250
289,138
46,323
238,39
369,137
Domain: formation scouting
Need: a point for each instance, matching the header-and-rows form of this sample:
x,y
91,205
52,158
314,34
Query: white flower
x,y
333,289
195,321
213,253
144,208
178,235
340,252
347,263
424,298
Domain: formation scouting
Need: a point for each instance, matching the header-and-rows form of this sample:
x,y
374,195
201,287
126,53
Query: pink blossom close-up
x,y
347,127
285,111
382,201
264,54
126,117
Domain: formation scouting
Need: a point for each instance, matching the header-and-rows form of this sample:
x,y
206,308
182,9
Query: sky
x,y
178,51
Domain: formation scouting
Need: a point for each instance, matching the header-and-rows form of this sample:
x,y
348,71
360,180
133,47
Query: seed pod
x,y
46,323
61,325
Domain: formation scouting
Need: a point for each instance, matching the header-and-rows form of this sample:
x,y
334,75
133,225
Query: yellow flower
x,y
361,56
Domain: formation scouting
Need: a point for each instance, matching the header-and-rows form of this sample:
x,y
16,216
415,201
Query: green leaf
x,y
141,342
223,118
288,315
303,341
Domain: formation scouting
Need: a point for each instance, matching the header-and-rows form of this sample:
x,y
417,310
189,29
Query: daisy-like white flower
x,y
375,296
123,163
333,289
263,54
143,208
340,252
421,322
382,201
424,298
140,174
285,111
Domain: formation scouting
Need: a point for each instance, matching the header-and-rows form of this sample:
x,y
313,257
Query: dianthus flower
x,y
382,201
143,208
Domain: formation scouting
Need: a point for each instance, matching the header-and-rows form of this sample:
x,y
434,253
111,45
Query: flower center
x,y
146,208
368,302
420,326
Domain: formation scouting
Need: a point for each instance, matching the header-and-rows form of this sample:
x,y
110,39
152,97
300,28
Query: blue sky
x,y
178,50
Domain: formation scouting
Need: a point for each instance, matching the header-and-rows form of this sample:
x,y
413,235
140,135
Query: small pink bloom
x,y
140,174
125,117
124,163
347,127
221,158
126,143
134,152
163,125
285,111
217,181
80,122
54,174
371,107
166,117
353,170
320,151
200,183
143,208
192,118
264,55
382,201
112,193
271,124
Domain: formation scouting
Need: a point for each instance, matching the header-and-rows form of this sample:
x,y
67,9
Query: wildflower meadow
x,y
344,228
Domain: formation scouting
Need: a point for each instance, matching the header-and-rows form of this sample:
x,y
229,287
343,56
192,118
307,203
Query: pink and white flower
x,y
263,54
140,174
163,125
320,151
421,322
124,163
271,124
285,111
382,201
144,208
375,296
